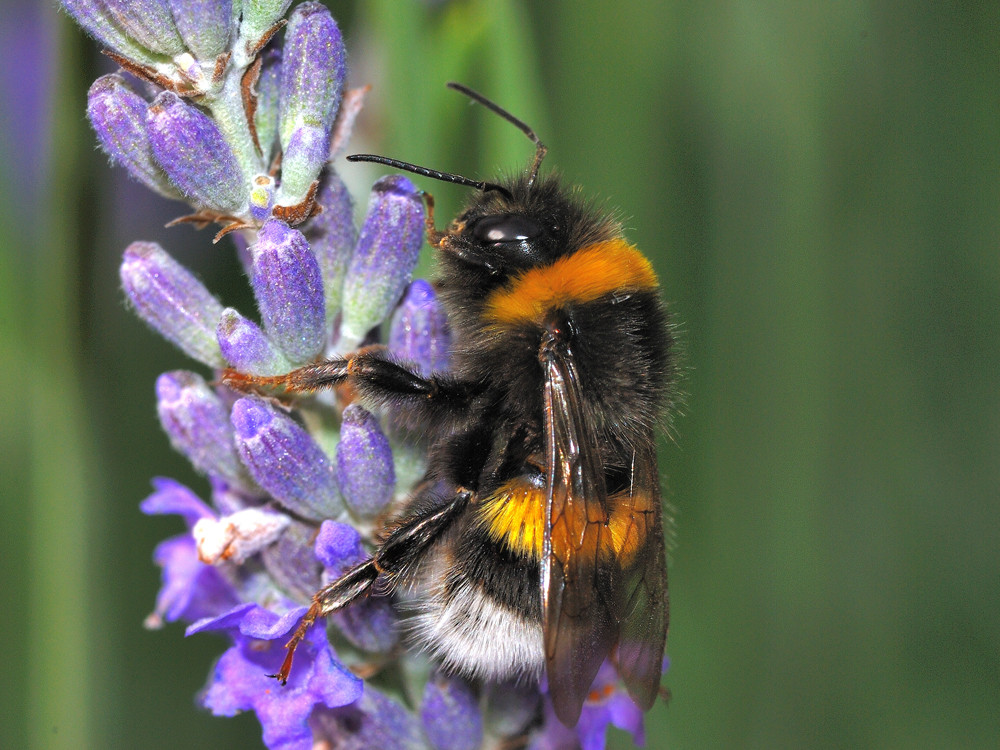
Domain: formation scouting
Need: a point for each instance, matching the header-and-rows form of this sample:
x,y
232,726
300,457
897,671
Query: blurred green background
x,y
819,187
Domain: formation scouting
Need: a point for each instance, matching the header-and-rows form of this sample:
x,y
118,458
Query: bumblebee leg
x,y
371,372
405,544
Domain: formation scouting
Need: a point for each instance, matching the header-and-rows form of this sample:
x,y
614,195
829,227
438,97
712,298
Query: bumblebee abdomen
x,y
479,609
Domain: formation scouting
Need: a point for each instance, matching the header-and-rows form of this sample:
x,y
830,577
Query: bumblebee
x,y
535,541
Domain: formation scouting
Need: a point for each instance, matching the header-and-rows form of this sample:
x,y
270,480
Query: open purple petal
x,y
240,682
191,589
173,497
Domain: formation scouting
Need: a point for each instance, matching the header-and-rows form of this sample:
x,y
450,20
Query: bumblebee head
x,y
522,224
504,229
509,226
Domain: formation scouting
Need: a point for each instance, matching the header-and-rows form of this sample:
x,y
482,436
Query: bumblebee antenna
x,y
432,173
540,149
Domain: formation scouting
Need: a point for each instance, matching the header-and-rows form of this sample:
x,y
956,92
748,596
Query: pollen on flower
x,y
238,536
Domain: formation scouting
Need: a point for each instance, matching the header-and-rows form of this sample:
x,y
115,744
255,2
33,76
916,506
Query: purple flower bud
x,y
373,721
385,256
266,117
150,23
192,151
94,17
247,348
365,472
172,301
419,331
338,548
291,563
204,25
312,72
288,286
332,236
285,460
370,624
450,714
261,15
303,158
118,116
197,423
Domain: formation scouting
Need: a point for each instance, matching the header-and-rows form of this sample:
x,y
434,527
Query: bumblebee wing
x,y
579,584
644,587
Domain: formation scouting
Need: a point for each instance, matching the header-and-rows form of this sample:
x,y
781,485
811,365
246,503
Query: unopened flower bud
x,y
303,158
204,25
247,348
197,423
419,331
285,460
172,301
95,17
291,563
261,15
289,289
384,258
365,472
332,236
313,68
150,23
196,157
118,116
266,116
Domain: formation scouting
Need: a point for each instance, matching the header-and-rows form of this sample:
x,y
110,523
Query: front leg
x,y
377,378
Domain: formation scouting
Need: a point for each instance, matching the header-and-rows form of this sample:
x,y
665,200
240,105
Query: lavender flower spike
x,y
118,116
288,286
365,471
197,423
285,460
204,25
171,300
192,151
384,258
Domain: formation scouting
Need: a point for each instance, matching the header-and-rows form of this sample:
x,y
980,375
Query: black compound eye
x,y
505,228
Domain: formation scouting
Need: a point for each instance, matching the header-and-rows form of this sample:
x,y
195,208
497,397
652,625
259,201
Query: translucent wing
x,y
644,604
579,582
